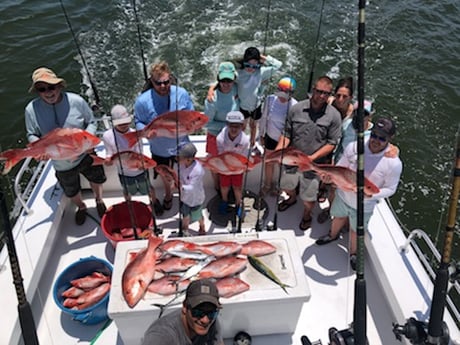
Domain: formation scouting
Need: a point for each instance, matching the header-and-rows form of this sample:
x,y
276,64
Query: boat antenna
x,y
139,38
97,100
315,49
436,331
26,319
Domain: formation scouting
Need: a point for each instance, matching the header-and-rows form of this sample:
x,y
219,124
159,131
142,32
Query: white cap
x,y
235,117
120,115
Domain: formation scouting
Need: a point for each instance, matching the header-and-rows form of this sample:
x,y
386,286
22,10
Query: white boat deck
x,y
48,242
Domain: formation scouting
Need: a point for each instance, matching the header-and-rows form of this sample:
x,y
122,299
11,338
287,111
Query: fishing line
x,y
97,100
315,49
139,38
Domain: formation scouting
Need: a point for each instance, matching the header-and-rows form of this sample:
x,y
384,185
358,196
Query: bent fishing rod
x,y
315,49
139,38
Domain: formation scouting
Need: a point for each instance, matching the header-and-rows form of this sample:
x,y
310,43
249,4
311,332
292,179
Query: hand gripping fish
x,y
343,178
139,272
229,163
169,174
167,124
59,144
129,160
290,156
266,271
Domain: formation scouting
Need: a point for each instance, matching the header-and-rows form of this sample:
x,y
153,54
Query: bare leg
x,y
97,190
337,224
77,200
202,230
215,178
307,207
185,223
353,241
253,128
168,191
238,195
224,193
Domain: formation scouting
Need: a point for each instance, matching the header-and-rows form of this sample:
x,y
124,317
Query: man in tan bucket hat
x,y
56,108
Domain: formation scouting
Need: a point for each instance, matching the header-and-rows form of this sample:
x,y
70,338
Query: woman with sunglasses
x,y
56,108
195,323
160,97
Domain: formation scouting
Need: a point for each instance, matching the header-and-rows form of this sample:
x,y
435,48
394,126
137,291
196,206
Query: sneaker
x,y
223,207
80,216
326,239
353,262
101,208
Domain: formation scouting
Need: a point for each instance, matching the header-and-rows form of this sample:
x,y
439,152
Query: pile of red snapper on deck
x,y
166,268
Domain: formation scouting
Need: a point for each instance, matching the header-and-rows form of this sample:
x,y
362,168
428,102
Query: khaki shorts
x,y
308,185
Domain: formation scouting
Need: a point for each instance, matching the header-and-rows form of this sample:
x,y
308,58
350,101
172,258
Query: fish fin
x,y
98,160
132,137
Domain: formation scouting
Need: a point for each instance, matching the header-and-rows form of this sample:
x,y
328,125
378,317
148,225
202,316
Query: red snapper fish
x,y
168,124
169,174
175,264
87,299
223,248
175,246
229,163
223,267
168,285
257,248
231,286
129,159
290,156
59,144
91,281
140,272
343,178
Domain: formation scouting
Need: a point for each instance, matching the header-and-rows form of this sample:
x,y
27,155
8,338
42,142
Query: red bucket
x,y
117,223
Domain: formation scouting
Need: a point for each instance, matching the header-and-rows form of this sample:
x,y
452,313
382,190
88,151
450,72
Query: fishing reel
x,y
242,338
343,337
417,332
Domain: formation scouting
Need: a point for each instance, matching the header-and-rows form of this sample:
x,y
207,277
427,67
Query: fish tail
x,y
132,137
97,160
11,158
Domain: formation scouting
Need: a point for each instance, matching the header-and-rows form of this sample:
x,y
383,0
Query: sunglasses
x,y
339,95
45,89
322,92
199,314
159,82
378,137
249,65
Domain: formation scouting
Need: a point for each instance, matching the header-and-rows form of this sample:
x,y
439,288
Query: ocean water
x,y
412,66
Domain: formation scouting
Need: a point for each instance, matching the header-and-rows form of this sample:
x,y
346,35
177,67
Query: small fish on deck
x,y
59,144
266,271
170,125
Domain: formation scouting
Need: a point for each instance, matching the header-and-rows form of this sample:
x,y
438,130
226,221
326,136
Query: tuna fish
x,y
231,286
257,248
223,267
139,272
166,125
59,144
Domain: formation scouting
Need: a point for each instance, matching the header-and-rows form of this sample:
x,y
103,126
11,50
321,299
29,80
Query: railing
x,y
420,234
21,196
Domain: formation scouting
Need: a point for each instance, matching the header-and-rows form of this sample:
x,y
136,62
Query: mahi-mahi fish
x,y
59,144
266,271
139,272
170,125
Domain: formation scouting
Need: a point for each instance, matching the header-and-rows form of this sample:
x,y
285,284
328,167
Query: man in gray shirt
x,y
194,324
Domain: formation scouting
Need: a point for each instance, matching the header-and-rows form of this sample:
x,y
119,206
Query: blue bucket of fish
x,y
82,290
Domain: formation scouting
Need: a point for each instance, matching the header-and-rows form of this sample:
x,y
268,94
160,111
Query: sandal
x,y
326,239
158,208
323,216
284,205
167,204
322,193
305,224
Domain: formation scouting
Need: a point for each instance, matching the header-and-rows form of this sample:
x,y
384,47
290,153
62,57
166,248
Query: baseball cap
x,y
235,117
187,150
385,126
202,291
226,71
368,107
45,75
120,115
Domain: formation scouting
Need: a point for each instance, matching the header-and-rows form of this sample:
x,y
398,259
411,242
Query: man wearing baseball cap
x,y
195,323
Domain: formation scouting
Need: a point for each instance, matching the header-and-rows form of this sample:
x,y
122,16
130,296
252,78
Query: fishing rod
x,y
139,38
359,312
97,99
436,331
26,319
315,49
181,232
267,23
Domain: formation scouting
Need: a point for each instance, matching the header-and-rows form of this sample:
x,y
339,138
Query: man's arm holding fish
x,y
142,114
33,132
